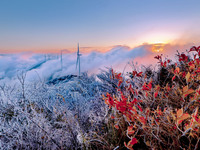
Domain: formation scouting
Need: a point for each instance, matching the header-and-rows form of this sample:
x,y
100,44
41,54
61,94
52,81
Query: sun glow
x,y
161,41
160,37
158,47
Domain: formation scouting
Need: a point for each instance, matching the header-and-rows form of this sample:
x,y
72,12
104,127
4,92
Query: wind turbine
x,y
78,63
61,59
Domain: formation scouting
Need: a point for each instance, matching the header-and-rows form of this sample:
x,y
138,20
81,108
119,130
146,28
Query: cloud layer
x,y
39,66
46,67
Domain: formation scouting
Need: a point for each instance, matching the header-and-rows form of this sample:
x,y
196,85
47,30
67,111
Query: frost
x,y
50,115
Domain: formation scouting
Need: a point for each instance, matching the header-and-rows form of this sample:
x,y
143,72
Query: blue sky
x,y
29,25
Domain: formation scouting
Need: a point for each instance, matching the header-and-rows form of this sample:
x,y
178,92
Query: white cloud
x,y
38,68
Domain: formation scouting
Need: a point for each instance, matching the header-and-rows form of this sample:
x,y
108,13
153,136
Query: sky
x,y
54,25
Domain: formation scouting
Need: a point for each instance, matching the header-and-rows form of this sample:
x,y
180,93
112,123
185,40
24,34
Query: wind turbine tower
x,y
78,63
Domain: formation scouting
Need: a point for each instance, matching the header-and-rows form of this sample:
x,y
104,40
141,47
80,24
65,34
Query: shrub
x,y
162,112
49,116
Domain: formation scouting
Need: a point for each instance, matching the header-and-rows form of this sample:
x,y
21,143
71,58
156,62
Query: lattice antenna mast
x,y
78,62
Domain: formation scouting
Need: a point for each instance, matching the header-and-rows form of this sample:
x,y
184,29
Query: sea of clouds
x,y
46,67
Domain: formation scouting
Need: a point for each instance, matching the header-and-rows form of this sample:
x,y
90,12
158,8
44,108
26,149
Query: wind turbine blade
x,y
78,49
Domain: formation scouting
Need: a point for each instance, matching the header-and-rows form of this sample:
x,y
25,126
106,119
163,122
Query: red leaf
x,y
177,70
194,48
118,76
165,64
145,88
139,74
150,85
173,77
120,82
155,94
139,108
198,48
110,100
183,57
130,130
133,141
116,126
134,101
134,73
157,57
112,117
142,120
168,60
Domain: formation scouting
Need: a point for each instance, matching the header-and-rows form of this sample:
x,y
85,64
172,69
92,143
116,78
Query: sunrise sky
x,y
54,25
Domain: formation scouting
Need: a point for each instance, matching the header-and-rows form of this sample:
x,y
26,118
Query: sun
x,y
158,47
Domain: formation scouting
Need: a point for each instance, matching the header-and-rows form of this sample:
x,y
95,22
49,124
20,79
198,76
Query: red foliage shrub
x,y
161,116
